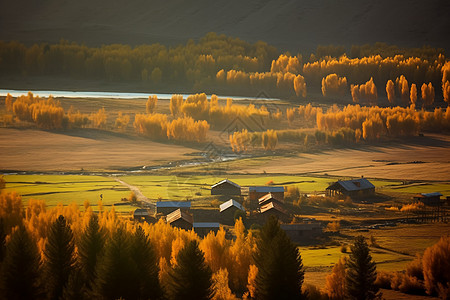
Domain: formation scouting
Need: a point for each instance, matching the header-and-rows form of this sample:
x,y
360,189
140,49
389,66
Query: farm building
x,y
256,192
166,207
274,209
352,188
181,219
429,199
302,232
226,187
228,210
203,228
142,214
268,198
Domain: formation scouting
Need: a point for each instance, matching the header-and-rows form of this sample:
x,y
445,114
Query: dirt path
x,y
138,193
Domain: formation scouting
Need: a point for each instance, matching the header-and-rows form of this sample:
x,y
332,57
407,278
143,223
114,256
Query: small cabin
x,y
166,207
302,232
143,215
226,187
203,228
228,210
429,199
180,219
353,188
268,198
274,209
256,192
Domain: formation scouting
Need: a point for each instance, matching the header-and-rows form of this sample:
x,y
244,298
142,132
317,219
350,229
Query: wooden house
x,y
203,228
228,210
353,188
256,192
166,207
269,198
181,219
226,188
429,199
274,209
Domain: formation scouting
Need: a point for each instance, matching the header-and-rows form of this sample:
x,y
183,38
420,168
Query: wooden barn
x,y
268,198
302,232
166,207
274,209
353,188
203,228
429,199
228,210
143,215
226,187
181,219
256,192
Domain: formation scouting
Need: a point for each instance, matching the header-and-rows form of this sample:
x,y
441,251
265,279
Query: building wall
x,y
167,210
227,216
254,196
180,223
203,231
226,189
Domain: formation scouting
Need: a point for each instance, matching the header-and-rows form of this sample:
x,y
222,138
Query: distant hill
x,y
295,25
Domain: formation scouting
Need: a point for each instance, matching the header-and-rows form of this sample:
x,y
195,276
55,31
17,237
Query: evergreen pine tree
x,y
59,257
145,259
191,277
20,270
2,240
361,272
280,269
90,246
116,270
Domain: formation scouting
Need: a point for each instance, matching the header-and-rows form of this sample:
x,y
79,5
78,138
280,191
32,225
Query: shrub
x,y
383,280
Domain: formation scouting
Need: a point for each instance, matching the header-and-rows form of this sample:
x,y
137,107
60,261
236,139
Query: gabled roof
x,y
231,203
177,215
206,225
175,204
273,205
429,195
226,181
266,189
352,185
267,198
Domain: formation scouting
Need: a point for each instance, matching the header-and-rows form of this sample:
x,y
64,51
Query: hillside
x,y
297,25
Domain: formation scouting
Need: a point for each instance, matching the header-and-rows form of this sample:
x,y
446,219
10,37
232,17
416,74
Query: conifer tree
x,y
20,270
280,269
191,278
2,240
116,270
90,246
361,272
144,256
59,257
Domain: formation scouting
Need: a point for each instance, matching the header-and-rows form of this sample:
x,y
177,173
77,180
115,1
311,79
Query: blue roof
x,y
435,194
206,225
266,189
173,204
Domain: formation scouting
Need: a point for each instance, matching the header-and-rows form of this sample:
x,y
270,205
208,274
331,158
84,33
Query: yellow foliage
x,y
436,264
10,210
333,85
251,285
150,105
221,289
366,91
269,139
9,103
390,91
335,282
286,64
413,207
122,121
98,119
427,94
413,94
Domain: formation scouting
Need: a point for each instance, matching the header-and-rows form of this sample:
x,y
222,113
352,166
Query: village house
x,y
166,207
273,209
352,188
203,228
226,187
268,198
181,219
228,210
143,215
429,199
256,192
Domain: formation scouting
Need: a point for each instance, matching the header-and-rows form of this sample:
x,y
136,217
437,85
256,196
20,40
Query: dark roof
x,y
176,204
266,189
429,195
267,198
141,212
352,185
231,203
206,225
177,215
226,181
273,205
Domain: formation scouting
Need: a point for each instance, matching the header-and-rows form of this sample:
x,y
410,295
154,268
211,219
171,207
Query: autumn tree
x,y
151,104
122,121
403,88
98,119
191,277
59,257
427,94
20,273
90,248
280,269
335,282
436,266
361,272
413,94
390,91
334,85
